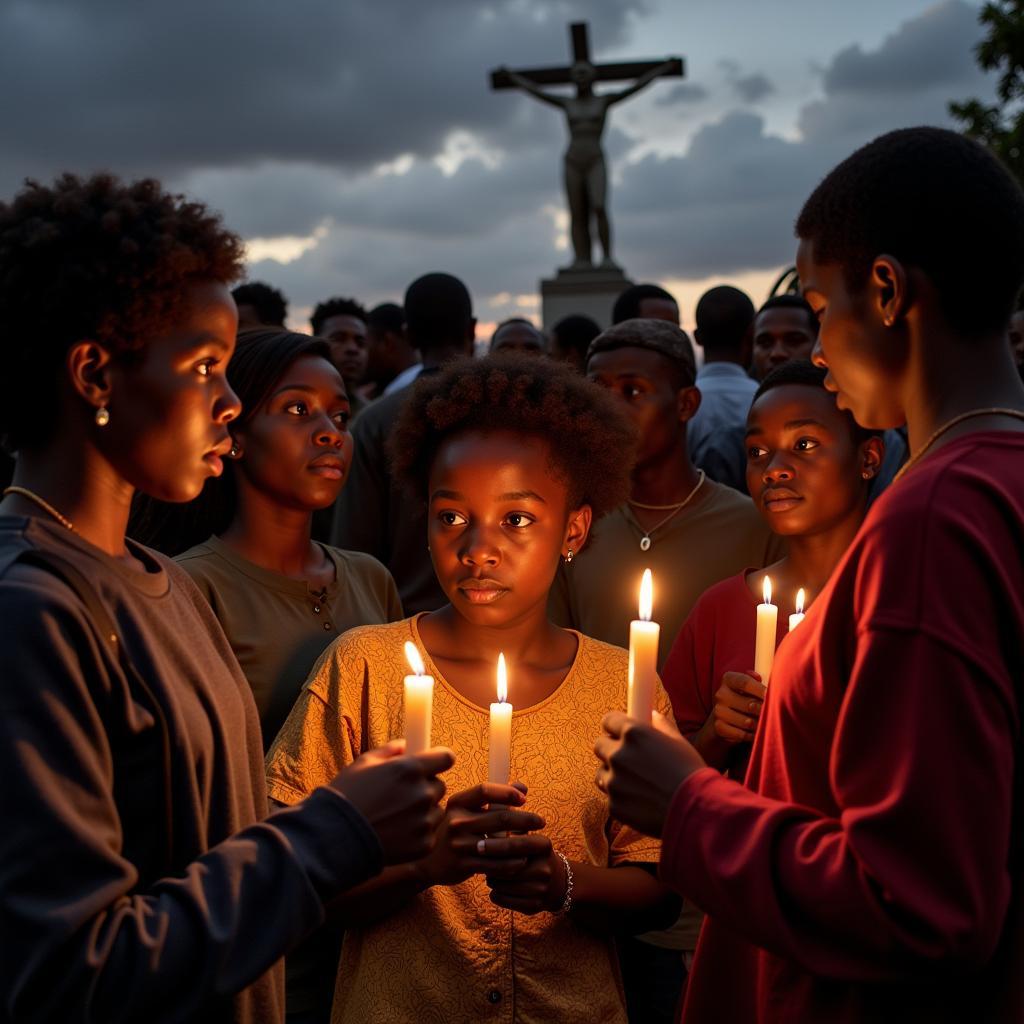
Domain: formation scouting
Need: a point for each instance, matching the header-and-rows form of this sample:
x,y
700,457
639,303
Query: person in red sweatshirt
x,y
809,468
872,866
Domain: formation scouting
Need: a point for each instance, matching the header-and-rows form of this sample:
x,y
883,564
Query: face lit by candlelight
x,y
866,358
499,522
805,471
645,382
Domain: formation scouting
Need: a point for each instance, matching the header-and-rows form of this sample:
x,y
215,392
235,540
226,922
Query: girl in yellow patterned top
x,y
515,458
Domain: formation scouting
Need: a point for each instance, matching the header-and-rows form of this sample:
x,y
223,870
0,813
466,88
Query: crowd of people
x,y
221,537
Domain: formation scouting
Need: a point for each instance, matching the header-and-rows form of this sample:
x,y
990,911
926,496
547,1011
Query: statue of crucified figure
x,y
586,175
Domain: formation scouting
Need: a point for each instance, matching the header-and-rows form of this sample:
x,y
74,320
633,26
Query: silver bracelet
x,y
567,902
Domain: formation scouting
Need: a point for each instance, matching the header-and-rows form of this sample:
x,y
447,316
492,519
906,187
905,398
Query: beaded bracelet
x,y
567,902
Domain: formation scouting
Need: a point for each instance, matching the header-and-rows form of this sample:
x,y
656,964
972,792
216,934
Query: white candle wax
x,y
499,736
643,655
798,616
419,703
764,647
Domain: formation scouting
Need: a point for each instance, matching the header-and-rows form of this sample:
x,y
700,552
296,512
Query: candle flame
x,y
800,601
412,655
646,596
767,590
502,680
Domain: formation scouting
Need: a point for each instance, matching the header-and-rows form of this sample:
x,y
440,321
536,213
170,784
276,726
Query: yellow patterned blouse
x,y
451,956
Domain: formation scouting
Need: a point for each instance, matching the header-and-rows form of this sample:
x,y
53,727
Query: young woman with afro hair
x,y
872,865
141,878
518,903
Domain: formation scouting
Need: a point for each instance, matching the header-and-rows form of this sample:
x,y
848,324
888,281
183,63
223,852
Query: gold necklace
x,y
42,503
645,540
949,425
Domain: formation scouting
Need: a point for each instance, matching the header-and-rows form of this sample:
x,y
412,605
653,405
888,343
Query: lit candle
x,y
643,655
419,702
798,616
767,620
499,738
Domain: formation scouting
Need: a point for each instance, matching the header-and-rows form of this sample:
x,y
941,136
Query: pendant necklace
x,y
645,540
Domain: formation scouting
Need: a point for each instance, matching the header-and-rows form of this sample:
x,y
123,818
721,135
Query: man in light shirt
x,y
715,434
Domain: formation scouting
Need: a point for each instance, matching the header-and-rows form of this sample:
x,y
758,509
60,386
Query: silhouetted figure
x,y
393,360
259,305
645,302
715,434
371,514
570,339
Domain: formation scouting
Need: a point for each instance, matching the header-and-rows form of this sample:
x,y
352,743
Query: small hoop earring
x,y
569,555
102,416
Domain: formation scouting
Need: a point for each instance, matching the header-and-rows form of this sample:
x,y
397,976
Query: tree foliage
x,y
1001,125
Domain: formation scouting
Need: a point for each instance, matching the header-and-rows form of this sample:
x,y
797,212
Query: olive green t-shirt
x,y
279,626
718,534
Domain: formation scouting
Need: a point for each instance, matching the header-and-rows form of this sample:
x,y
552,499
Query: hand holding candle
x,y
419,703
798,616
499,739
767,621
643,655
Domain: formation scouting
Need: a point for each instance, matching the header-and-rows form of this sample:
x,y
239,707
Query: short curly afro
x,y
95,259
591,441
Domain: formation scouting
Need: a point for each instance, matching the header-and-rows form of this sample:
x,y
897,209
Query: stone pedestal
x,y
590,291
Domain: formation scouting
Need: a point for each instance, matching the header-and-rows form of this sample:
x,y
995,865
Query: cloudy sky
x,y
357,144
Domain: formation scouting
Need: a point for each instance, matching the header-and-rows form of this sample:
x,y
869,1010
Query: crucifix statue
x,y
586,177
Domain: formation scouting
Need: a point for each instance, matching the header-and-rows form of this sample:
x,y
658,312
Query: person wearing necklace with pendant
x,y
690,531
871,865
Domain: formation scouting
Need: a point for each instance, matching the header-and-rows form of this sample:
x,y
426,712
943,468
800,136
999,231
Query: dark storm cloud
x,y
682,92
751,88
730,203
937,52
278,114
151,87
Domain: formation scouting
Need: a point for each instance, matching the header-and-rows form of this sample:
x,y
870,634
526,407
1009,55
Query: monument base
x,y
590,291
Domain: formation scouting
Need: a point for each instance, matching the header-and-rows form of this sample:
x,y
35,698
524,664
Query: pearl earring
x,y
569,555
102,416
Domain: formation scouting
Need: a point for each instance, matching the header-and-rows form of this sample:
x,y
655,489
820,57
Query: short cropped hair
x,y
335,307
575,333
438,310
792,302
934,200
592,443
93,258
804,372
388,317
627,305
724,315
669,341
270,304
